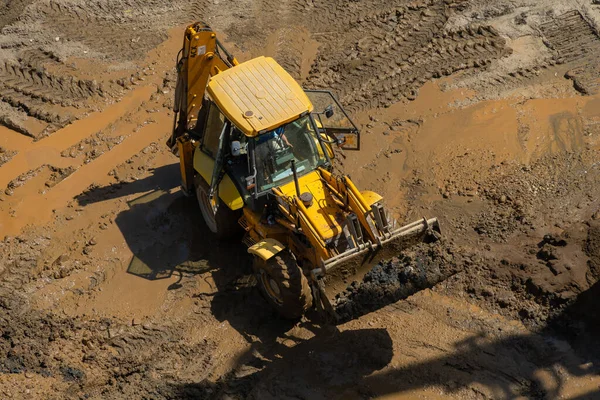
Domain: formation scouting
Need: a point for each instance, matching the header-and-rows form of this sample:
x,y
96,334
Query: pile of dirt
x,y
535,283
418,268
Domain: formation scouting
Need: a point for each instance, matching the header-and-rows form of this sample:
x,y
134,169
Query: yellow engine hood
x,y
324,211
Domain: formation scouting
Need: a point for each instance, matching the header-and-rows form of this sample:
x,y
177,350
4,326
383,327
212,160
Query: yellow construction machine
x,y
257,151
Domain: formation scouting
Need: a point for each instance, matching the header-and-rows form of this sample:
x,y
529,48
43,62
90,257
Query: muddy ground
x,y
483,113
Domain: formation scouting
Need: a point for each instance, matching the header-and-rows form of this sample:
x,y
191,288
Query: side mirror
x,y
328,111
236,148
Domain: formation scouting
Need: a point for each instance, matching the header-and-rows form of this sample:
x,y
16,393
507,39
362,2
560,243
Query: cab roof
x,y
258,95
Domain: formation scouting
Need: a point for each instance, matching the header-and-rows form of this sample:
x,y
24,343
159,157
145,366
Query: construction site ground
x,y
483,113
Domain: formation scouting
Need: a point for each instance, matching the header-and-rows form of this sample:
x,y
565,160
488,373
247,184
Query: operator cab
x,y
275,150
256,122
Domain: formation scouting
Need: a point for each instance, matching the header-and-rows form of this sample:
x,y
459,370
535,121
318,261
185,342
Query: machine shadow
x,y
568,342
168,237
164,229
339,365
300,370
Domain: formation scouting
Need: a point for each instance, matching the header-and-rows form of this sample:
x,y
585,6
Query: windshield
x,y
275,150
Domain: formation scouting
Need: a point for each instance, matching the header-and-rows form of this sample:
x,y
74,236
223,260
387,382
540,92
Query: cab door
x,y
212,131
333,119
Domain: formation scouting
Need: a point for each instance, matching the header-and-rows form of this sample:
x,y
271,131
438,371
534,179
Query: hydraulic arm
x,y
201,56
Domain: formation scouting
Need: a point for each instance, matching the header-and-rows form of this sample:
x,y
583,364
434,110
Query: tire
x,y
224,224
283,284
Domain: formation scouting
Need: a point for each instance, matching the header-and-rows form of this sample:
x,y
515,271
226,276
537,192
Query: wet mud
x,y
483,114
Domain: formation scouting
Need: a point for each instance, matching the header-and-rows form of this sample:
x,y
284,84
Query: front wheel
x,y
283,284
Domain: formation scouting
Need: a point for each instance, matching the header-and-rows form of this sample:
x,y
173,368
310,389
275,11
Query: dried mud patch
x,y
11,10
535,281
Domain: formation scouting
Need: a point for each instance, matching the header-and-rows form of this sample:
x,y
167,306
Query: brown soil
x,y
483,113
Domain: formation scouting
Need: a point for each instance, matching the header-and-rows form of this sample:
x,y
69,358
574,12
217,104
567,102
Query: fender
x,y
371,197
203,164
266,248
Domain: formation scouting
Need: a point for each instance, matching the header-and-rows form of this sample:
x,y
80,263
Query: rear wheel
x,y
283,284
223,223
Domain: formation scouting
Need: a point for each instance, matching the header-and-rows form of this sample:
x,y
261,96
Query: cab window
x,y
214,126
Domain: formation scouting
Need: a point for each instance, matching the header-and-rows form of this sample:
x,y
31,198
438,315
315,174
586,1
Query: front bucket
x,y
341,271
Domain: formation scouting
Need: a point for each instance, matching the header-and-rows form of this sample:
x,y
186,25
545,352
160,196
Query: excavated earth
x,y
483,113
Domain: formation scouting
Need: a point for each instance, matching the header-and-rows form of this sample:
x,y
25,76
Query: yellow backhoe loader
x,y
257,151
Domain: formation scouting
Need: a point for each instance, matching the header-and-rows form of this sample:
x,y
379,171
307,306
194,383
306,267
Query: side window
x,y
321,99
333,119
214,127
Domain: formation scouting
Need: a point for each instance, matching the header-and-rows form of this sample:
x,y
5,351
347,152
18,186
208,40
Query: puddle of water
x,y
141,268
147,198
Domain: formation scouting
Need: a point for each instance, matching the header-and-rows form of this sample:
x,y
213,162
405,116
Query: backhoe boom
x,y
201,56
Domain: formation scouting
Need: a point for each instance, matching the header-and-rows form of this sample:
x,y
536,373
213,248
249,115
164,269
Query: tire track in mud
x,y
373,54
118,29
113,30
133,12
51,100
36,102
196,10
11,10
38,58
503,81
571,36
328,16
460,50
48,151
576,43
70,136
388,55
103,357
